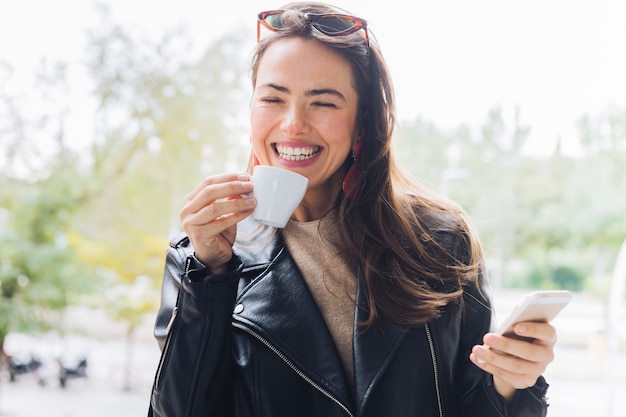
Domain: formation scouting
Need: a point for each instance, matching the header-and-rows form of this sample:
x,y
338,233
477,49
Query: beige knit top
x,y
313,246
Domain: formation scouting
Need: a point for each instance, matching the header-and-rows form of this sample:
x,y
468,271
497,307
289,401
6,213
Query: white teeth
x,y
296,154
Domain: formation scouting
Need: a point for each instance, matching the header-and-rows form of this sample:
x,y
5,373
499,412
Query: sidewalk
x,y
81,398
584,380
107,391
577,389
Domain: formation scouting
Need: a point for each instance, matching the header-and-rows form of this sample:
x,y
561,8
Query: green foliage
x,y
39,272
553,214
568,278
98,221
562,277
175,123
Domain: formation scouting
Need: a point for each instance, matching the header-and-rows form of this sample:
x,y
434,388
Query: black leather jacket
x,y
252,342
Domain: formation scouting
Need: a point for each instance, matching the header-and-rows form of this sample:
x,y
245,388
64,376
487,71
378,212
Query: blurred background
x,y
111,111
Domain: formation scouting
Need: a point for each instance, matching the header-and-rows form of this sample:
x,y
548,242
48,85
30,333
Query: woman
x,y
371,302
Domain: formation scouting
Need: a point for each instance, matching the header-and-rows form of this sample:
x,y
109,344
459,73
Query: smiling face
x,y
304,111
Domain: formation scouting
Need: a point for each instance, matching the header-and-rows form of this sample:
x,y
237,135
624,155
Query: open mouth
x,y
290,153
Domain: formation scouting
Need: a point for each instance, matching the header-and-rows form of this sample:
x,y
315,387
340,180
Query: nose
x,y
295,120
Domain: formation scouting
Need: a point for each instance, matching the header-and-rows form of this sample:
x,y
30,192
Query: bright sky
x,y
452,60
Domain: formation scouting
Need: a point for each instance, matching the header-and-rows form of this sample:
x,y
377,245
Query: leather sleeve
x,y
195,371
480,399
174,266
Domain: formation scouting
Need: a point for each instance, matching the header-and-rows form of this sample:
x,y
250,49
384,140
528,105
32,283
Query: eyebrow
x,y
309,93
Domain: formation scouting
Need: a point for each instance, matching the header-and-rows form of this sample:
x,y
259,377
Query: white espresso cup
x,y
278,192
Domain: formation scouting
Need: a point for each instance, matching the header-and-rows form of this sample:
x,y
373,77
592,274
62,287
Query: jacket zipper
x,y
171,322
165,354
294,367
435,367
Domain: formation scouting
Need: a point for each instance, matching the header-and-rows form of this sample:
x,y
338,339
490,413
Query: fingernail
x,y
249,201
243,177
478,354
490,339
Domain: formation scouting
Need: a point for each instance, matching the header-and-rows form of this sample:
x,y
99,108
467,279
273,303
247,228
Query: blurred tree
x,y
494,157
40,190
566,277
40,273
476,170
601,186
164,123
166,117
424,151
164,120
553,213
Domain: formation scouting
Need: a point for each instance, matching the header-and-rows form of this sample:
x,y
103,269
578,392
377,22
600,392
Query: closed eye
x,y
271,100
325,104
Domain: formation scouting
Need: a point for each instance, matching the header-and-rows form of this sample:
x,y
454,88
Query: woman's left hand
x,y
516,364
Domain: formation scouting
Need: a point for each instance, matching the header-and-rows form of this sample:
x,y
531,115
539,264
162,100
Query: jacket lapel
x,y
374,349
276,304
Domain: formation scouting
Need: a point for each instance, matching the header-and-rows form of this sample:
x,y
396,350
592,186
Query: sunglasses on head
x,y
329,24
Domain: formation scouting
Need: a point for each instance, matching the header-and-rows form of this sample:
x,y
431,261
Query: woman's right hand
x,y
210,216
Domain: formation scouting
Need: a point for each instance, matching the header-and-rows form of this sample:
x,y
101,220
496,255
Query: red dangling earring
x,y
255,160
353,181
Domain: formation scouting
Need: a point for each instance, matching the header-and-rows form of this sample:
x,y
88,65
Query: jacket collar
x,y
276,304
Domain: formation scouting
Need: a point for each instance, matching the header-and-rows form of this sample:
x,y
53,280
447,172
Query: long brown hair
x,y
414,250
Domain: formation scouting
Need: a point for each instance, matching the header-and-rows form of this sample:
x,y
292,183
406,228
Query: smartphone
x,y
538,306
